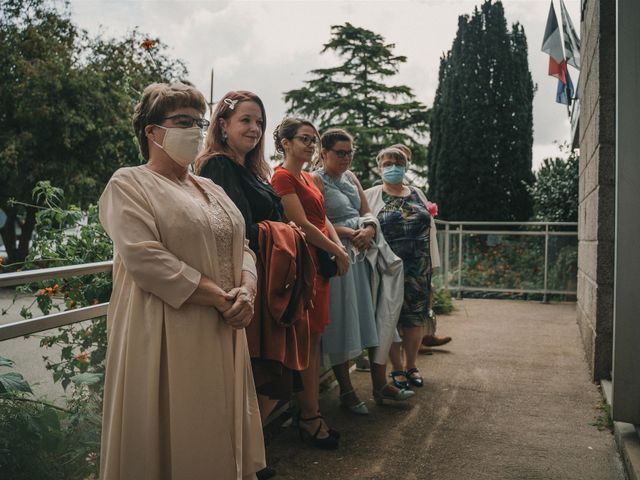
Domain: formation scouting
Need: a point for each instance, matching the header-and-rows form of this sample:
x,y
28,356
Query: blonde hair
x,y
391,152
158,99
404,148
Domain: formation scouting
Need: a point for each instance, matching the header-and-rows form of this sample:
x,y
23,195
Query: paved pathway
x,y
26,352
509,399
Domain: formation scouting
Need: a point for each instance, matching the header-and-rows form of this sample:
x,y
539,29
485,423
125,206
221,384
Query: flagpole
x,y
211,94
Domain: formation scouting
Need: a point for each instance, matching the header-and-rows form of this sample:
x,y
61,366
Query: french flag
x,y
552,45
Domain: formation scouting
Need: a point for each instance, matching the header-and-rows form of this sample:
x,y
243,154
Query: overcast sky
x,y
269,46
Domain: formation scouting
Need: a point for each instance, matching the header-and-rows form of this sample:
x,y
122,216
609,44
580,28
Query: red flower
x,y
432,209
148,44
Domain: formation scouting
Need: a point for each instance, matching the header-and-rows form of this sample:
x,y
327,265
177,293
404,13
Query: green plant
x,y
357,94
69,236
44,441
563,271
481,128
442,303
555,191
66,109
67,437
604,421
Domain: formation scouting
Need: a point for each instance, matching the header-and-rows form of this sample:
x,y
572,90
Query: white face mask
x,y
181,144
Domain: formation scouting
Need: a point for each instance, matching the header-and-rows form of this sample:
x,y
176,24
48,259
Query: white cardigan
x,y
374,197
387,290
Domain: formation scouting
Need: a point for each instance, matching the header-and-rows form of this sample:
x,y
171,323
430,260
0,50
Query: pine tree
x,y
481,127
356,96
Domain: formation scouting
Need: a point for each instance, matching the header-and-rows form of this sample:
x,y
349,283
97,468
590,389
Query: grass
x,y
604,420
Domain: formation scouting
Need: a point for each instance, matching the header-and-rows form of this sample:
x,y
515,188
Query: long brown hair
x,y
216,145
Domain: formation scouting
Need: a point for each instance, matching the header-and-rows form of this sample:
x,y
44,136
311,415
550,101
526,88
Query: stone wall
x,y
596,211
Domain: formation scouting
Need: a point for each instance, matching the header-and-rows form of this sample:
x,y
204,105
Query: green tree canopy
x,y
355,95
65,108
481,127
555,191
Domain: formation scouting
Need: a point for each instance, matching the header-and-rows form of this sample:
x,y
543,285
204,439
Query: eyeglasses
x,y
344,153
187,121
307,140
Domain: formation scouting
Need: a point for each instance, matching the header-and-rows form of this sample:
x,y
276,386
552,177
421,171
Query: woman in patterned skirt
x,y
407,227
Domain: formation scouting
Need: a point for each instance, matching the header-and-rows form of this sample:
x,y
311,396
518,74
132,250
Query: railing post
x,y
460,262
446,256
546,262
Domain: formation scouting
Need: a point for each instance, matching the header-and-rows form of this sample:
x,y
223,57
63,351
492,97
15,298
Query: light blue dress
x,y
352,323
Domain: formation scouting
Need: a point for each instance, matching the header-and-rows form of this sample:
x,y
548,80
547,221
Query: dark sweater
x,y
256,200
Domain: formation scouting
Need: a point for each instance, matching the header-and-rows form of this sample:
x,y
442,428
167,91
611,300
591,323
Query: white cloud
x,y
270,46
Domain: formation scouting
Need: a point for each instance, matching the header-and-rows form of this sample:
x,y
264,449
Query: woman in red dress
x,y
303,204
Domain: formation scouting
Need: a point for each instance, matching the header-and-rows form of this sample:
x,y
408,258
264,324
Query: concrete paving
x,y
26,352
510,398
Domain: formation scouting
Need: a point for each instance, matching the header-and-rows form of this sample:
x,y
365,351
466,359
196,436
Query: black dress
x,y
256,200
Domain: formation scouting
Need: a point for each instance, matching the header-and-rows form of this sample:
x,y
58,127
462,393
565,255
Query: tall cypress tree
x,y
481,126
356,95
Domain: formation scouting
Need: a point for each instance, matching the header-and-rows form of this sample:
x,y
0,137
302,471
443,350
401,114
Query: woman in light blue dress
x,y
352,325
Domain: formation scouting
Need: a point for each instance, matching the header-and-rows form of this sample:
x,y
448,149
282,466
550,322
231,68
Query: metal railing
x,y
55,320
452,237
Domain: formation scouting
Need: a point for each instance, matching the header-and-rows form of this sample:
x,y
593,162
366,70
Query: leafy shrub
x,y
41,440
442,303
60,442
514,262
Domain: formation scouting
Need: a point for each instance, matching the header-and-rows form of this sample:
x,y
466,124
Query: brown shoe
x,y
434,341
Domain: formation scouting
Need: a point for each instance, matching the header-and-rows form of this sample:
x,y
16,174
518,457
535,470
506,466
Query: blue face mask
x,y
393,174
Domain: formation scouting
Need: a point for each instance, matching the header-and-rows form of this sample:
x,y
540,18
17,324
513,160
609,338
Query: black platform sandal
x,y
330,442
415,379
401,384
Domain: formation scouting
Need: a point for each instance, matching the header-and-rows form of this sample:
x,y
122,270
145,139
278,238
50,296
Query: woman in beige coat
x,y
179,398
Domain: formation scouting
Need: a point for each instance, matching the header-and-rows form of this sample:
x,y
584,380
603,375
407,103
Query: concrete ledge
x,y
627,439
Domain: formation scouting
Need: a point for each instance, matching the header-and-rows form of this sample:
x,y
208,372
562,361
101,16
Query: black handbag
x,y
327,266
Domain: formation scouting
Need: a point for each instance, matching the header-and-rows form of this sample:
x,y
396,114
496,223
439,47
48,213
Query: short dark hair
x,y
158,99
334,135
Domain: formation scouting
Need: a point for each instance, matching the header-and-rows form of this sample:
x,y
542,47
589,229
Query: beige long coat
x,y
179,398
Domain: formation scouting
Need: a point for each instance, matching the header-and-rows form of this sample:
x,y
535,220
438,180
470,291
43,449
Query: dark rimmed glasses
x,y
344,153
307,140
187,121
